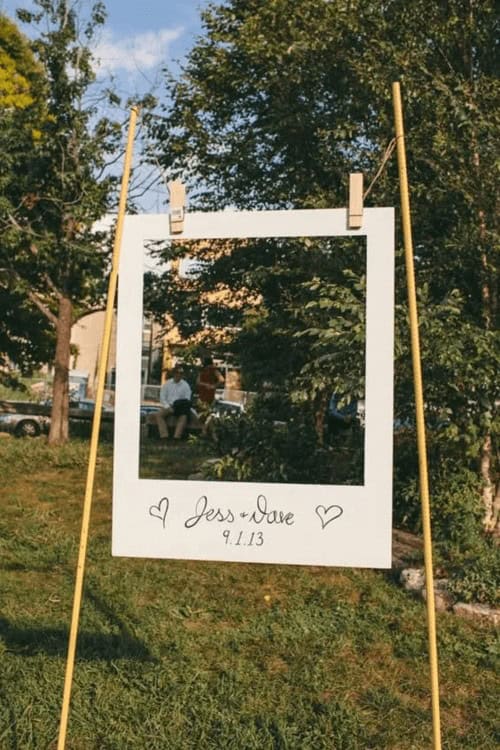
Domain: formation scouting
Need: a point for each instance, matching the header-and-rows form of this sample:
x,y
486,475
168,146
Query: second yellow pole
x,y
419,408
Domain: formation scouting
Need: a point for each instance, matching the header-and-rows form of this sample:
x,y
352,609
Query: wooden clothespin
x,y
355,213
177,206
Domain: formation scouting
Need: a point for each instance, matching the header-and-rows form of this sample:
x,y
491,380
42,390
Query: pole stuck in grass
x,y
96,424
419,409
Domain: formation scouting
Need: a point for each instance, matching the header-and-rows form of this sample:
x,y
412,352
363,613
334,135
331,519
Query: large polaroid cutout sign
x,y
259,521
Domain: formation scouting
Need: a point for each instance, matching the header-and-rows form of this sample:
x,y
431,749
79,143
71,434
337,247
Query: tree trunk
x,y
60,393
490,493
490,496
320,404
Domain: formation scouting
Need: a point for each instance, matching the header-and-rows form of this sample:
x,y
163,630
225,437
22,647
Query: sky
x,y
137,41
139,38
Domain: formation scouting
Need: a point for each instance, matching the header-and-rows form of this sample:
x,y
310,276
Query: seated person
x,y
175,399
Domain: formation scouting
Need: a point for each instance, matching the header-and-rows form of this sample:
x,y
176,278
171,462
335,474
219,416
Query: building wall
x,y
86,338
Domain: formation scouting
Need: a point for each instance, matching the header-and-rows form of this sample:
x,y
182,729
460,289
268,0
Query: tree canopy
x,y
56,187
279,101
25,335
20,76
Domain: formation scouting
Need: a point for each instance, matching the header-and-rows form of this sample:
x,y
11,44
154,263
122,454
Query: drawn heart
x,y
160,511
327,515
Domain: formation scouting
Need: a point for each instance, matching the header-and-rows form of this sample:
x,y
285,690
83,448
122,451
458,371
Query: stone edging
x,y
413,580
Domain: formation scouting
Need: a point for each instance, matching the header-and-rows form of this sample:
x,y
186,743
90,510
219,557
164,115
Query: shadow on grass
x,y
115,641
31,641
91,646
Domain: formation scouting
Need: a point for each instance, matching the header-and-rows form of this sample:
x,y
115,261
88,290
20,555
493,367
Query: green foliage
x,y
182,460
21,79
461,376
25,335
469,560
277,103
52,185
15,388
455,493
293,312
475,577
55,186
12,388
60,196
454,488
277,441
332,331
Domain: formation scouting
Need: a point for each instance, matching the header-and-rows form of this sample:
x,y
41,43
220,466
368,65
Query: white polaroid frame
x,y
255,521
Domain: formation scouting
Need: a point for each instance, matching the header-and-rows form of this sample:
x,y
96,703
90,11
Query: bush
x,y
475,576
469,558
276,442
456,508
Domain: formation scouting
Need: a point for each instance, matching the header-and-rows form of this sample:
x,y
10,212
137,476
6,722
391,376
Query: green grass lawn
x,y
177,655
173,459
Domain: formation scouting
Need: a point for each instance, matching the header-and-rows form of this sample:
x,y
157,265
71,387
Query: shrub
x,y
276,442
475,575
470,559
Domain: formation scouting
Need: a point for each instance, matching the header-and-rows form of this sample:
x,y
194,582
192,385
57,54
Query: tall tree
x,y
25,336
278,101
55,260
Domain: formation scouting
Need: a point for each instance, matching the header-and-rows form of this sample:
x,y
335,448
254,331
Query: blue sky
x,y
139,38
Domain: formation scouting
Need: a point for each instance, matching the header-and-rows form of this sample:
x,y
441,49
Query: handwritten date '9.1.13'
x,y
244,538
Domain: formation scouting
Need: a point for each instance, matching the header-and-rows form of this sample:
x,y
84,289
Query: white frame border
x,y
361,535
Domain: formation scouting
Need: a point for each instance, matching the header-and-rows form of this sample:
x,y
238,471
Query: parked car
x,y
88,404
81,404
222,408
20,422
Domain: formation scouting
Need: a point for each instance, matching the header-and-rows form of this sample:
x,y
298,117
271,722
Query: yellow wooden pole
x,y
96,423
419,406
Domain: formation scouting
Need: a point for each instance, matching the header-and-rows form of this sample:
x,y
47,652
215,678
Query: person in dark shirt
x,y
340,419
209,379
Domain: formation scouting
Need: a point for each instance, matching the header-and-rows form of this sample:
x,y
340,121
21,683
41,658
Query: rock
x,y
443,600
412,579
477,612
407,549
